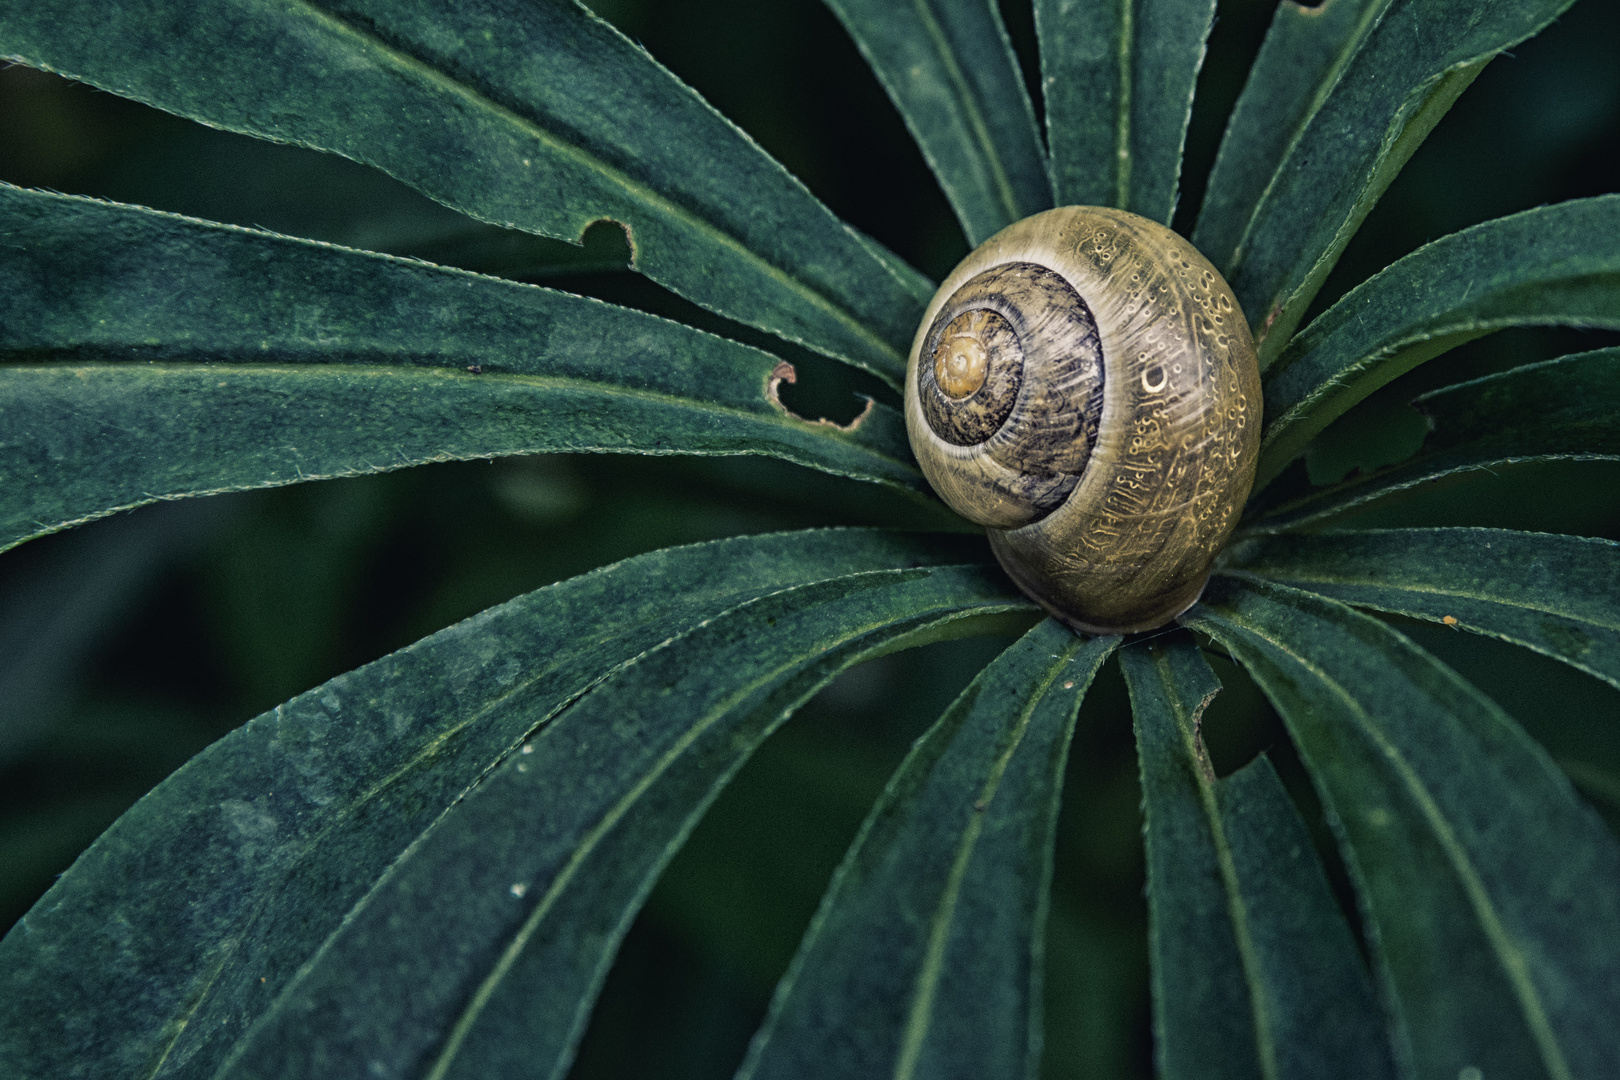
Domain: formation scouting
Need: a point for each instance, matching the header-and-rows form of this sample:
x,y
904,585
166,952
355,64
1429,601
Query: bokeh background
x,y
129,644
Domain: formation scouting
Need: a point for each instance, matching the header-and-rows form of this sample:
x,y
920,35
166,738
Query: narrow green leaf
x,y
1558,595
925,957
1243,925
537,116
950,70
1562,408
274,833
1492,892
504,917
1408,69
1119,76
1555,265
1304,53
1197,927
184,358
1322,1015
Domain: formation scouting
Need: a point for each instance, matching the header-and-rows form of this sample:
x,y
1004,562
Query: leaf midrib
x,y
926,984
1401,476
1374,12
519,687
649,197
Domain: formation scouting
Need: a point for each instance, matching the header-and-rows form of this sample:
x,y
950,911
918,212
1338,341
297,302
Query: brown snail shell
x,y
1085,385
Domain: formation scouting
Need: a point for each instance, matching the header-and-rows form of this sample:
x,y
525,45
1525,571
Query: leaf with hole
x,y
1243,923
1445,810
539,117
163,357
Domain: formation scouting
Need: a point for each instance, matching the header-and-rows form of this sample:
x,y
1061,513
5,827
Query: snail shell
x,y
1085,385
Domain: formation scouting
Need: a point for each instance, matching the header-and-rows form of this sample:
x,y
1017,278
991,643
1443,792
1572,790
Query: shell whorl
x,y
1110,441
1035,413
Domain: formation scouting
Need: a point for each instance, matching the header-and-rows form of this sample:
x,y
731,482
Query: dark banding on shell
x,y
1038,409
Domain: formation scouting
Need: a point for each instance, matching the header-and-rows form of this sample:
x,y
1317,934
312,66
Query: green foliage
x,y
951,71
1368,113
1537,268
285,361
1244,924
926,951
1119,84
1548,593
1560,408
546,120
1445,808
427,866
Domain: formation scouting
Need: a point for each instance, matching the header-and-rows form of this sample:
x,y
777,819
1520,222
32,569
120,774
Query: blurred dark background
x,y
131,643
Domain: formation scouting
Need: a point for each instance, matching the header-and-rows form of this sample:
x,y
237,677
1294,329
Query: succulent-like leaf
x,y
950,70
1562,408
1243,927
538,116
202,926
925,957
1555,265
1558,595
1492,891
1118,77
1402,78
1304,53
190,358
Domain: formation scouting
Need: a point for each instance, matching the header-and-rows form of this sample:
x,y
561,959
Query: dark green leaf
x,y
1492,892
536,116
504,917
1119,79
950,70
191,358
1387,97
1304,53
1555,265
1558,595
1243,924
1322,1015
275,833
1562,408
924,959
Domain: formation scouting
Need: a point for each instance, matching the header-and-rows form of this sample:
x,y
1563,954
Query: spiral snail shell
x,y
1084,385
